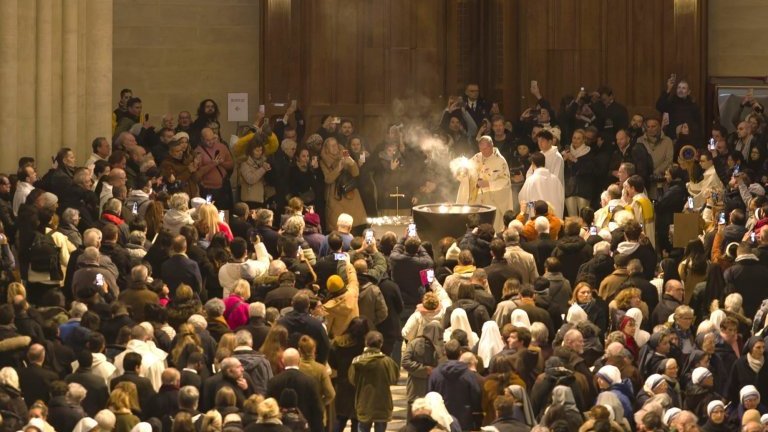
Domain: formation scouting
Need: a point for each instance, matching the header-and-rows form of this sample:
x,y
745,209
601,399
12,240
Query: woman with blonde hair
x,y
209,223
594,306
269,418
133,395
225,401
14,289
228,341
625,300
236,305
120,404
187,342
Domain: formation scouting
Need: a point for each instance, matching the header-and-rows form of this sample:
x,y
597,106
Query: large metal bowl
x,y
435,221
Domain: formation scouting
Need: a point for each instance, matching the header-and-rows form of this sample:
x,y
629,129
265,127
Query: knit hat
x,y
334,284
714,404
764,419
453,252
196,202
670,414
312,219
610,374
750,415
36,423
749,391
700,374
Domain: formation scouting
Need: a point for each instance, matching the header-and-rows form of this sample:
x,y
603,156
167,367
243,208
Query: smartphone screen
x,y
369,236
430,275
135,208
721,218
99,280
412,230
752,236
222,216
736,170
690,202
299,252
339,256
712,144
208,198
593,230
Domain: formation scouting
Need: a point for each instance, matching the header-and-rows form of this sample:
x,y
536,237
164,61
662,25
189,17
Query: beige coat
x,y
343,308
351,203
252,180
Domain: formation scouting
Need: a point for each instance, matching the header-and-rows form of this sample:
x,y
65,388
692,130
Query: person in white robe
x,y
553,159
485,180
702,190
543,185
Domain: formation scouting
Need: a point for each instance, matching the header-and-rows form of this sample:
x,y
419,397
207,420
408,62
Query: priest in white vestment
x,y
710,183
553,159
486,180
543,185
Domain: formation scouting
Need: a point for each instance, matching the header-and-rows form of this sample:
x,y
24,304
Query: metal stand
x,y
397,195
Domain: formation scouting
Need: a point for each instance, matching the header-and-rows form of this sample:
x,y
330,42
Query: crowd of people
x,y
177,282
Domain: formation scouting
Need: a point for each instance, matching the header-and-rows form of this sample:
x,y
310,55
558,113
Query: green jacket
x,y
372,372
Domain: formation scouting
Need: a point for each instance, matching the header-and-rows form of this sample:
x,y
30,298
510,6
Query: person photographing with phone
x,y
216,166
678,107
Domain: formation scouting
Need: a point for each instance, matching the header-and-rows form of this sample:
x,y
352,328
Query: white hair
x,y
344,220
179,201
516,225
76,392
601,247
541,224
257,309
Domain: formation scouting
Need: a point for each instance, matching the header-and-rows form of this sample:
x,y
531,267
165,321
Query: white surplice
x,y
542,185
498,193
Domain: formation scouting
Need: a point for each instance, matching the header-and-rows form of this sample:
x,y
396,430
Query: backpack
x,y
44,256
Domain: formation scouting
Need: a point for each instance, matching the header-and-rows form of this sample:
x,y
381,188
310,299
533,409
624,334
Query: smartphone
x,y
339,256
611,208
690,202
337,120
369,236
412,230
208,198
299,252
721,218
712,144
593,230
430,275
314,159
752,236
99,280
146,117
424,276
582,89
262,109
736,170
222,216
135,209
715,196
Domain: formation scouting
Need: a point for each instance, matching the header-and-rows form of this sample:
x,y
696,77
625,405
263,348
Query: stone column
x,y
27,126
43,84
69,80
8,81
98,72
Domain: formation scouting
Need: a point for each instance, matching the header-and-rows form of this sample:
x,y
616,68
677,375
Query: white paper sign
x,y
237,107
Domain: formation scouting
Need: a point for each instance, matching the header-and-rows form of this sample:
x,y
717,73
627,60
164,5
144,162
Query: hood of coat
x,y
571,244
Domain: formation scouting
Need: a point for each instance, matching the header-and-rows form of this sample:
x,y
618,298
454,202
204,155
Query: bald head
x,y
574,340
614,349
36,354
291,357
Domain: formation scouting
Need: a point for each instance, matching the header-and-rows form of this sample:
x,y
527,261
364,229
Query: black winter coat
x,y
572,251
64,415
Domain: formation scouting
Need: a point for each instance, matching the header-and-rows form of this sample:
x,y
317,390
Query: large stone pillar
x,y
69,85
8,81
26,115
98,72
44,108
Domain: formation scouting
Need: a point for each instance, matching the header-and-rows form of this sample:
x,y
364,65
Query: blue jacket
x,y
460,390
625,393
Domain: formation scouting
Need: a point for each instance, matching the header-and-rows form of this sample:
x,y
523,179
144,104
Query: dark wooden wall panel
x,y
355,57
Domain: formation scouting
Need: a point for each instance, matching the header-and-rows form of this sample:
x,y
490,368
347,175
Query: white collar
x,y
291,367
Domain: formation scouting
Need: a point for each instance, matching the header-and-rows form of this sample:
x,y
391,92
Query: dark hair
x,y
300,302
485,232
553,265
676,172
201,109
238,247
124,91
526,292
632,230
357,329
334,241
504,405
466,291
374,339
96,143
538,159
523,335
738,217
587,214
131,361
545,134
636,182
605,90
412,245
133,101
498,248
452,349
288,246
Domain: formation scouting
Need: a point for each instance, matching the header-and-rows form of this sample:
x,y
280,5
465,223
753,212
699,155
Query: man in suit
x,y
305,387
97,391
190,375
478,108
232,375
180,269
132,366
35,380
